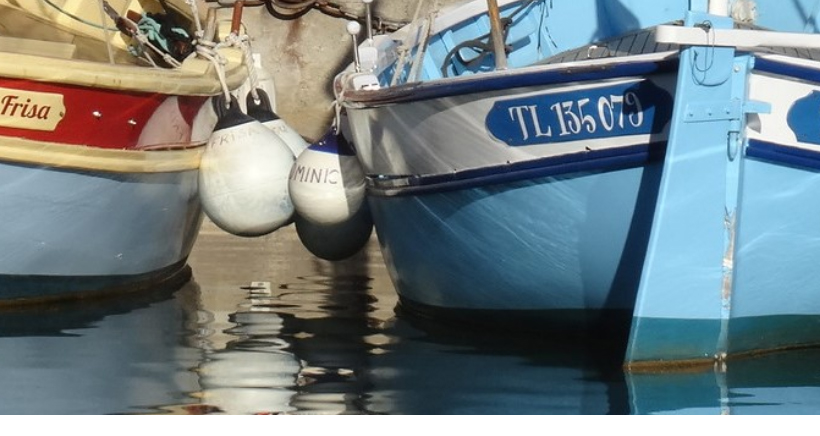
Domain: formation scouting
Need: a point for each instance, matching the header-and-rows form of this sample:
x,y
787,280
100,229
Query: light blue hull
x,y
671,174
577,244
571,246
67,233
773,301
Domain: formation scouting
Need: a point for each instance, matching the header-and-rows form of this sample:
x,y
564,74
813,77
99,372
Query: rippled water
x,y
265,328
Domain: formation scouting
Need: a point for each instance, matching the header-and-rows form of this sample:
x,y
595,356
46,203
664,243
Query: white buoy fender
x,y
339,241
243,175
327,183
261,110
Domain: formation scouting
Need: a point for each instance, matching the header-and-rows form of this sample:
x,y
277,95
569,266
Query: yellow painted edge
x,y
170,159
195,76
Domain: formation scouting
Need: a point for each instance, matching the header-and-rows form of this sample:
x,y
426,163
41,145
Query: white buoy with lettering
x,y
243,176
263,112
327,183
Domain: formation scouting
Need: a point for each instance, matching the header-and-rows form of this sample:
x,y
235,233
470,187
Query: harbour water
x,y
266,328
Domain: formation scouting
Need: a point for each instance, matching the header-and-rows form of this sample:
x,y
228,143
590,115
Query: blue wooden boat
x,y
654,162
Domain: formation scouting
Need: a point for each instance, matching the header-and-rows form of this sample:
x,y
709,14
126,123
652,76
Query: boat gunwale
x,y
201,79
787,66
549,74
539,75
157,159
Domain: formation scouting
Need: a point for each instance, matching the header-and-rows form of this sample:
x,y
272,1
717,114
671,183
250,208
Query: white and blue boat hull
x,y
564,226
676,185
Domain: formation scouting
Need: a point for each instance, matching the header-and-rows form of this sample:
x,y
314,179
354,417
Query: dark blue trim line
x,y
790,156
499,81
588,161
788,70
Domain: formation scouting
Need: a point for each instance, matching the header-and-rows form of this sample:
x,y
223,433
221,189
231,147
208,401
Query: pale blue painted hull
x,y
542,191
577,241
578,244
68,233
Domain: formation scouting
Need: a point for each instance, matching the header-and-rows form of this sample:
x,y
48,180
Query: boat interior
x,y
534,31
69,29
63,41
547,32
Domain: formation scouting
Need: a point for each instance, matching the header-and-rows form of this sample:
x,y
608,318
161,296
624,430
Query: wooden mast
x,y
497,35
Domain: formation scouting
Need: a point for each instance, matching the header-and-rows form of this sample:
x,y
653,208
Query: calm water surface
x,y
265,327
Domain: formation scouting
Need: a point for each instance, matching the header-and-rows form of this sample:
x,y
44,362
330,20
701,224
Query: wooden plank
x,y
59,50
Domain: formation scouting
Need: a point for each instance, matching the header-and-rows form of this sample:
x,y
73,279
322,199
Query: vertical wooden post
x,y
497,35
236,18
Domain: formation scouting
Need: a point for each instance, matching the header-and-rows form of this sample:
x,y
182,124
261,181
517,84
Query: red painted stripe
x,y
123,115
189,107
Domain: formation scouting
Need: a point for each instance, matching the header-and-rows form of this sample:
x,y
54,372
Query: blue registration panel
x,y
634,108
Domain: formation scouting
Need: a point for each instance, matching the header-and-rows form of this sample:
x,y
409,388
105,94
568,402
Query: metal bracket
x,y
723,110
712,111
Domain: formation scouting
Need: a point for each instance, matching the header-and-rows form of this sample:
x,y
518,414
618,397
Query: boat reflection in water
x,y
330,343
322,344
783,383
108,356
256,374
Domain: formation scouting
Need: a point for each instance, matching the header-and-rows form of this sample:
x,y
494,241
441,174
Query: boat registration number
x,y
618,110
